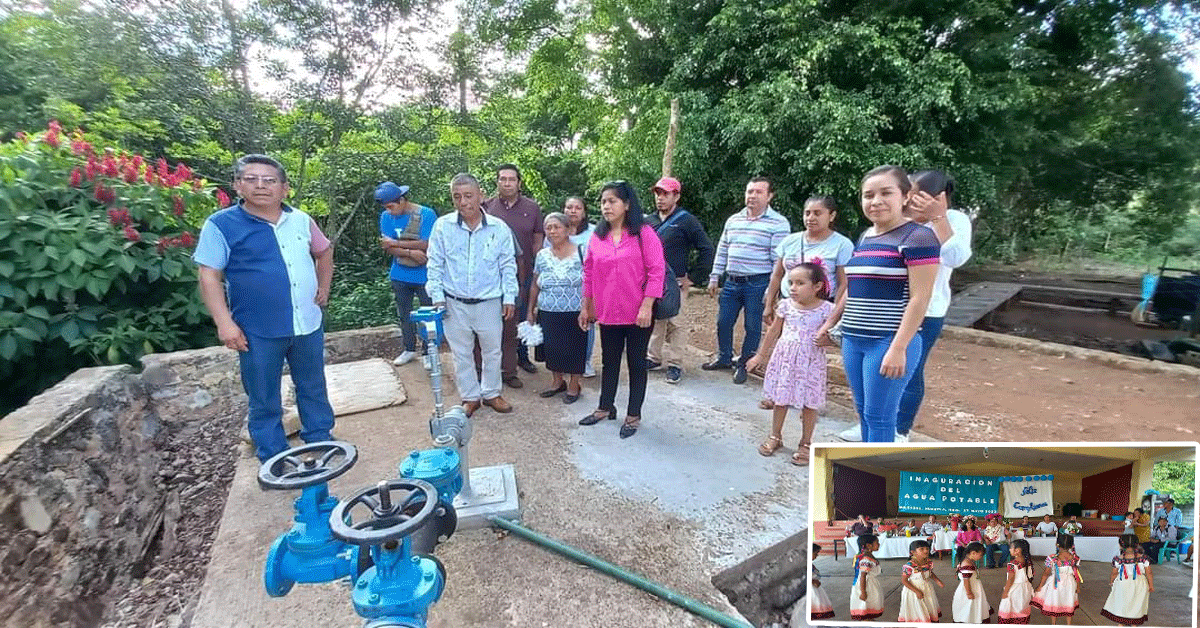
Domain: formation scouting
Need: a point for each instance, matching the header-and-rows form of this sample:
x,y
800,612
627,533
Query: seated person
x,y
1047,527
911,529
861,526
1072,527
1160,536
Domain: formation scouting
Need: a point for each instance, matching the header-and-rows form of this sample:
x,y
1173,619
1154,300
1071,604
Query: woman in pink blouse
x,y
968,534
622,276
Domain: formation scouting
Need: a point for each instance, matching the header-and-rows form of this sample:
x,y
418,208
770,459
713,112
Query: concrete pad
x,y
684,498
1169,603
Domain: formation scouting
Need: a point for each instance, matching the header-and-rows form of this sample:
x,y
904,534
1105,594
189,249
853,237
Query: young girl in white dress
x,y
918,601
970,603
1014,602
866,596
1058,594
822,606
1132,582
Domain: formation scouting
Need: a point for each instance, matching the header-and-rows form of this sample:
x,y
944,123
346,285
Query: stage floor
x,y
1169,604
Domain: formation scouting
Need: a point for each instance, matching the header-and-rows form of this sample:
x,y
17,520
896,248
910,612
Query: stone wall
x,y
111,469
79,496
766,587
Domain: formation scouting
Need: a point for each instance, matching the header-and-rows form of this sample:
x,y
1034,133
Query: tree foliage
x,y
1177,479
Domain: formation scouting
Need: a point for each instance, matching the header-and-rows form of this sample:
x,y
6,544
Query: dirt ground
x,y
978,393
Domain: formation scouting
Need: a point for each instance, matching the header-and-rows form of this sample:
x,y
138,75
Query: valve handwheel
x,y
307,465
397,508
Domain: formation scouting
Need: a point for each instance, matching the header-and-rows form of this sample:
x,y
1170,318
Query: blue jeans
x,y
737,295
910,401
262,370
990,553
405,292
876,398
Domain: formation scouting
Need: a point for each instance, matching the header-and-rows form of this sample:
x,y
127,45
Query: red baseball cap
x,y
667,184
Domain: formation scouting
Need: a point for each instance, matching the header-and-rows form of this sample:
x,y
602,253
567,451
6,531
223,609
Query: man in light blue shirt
x,y
265,270
1173,515
473,275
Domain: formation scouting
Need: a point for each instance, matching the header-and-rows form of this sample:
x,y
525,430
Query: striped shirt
x,y
748,244
877,278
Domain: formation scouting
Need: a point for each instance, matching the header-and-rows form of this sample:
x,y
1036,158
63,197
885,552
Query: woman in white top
x,y
929,204
580,233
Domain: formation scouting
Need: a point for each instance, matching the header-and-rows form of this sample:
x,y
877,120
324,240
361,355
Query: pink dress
x,y
796,373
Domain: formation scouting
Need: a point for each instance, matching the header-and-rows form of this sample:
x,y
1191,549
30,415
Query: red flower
x,y
120,217
138,162
182,172
150,176
132,234
76,177
178,206
223,198
55,127
104,195
110,166
187,239
163,171
53,139
131,173
23,136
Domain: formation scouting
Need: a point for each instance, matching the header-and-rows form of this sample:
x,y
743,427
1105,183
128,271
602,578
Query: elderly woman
x,y
581,233
555,300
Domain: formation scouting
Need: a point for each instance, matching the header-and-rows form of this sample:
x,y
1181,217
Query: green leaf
x,y
8,347
28,334
7,268
127,264
78,257
70,331
38,311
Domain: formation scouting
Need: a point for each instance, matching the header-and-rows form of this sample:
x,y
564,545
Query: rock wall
x,y
766,587
79,496
112,470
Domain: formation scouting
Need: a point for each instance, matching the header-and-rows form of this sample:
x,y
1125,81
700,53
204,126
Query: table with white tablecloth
x,y
897,546
1097,548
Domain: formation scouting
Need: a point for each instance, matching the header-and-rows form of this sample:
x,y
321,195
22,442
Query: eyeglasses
x,y
255,180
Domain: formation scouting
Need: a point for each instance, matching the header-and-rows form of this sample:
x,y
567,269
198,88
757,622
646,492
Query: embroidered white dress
x,y
1059,597
970,610
872,607
822,606
1129,601
1015,608
927,609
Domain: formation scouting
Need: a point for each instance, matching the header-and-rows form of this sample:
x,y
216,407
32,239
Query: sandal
x,y
594,418
766,404
800,456
770,446
629,428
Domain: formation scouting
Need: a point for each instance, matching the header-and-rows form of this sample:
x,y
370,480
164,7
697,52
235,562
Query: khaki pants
x,y
669,341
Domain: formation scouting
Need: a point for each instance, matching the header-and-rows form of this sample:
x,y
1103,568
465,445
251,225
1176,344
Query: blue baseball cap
x,y
389,192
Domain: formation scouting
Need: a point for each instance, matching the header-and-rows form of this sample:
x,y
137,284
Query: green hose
x,y
685,602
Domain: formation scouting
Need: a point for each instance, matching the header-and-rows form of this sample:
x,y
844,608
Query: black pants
x,y
404,293
634,341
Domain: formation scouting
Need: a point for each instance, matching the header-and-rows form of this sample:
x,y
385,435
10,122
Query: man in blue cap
x,y
404,229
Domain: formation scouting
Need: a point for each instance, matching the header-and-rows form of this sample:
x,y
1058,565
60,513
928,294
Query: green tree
x,y
1178,479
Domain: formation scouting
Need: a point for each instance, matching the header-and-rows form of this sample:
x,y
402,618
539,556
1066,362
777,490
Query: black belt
x,y
748,278
467,301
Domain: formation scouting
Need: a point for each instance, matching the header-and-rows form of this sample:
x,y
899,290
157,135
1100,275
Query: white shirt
x,y
1047,528
479,264
955,252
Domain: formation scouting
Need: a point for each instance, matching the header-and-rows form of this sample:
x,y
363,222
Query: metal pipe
x,y
435,367
687,603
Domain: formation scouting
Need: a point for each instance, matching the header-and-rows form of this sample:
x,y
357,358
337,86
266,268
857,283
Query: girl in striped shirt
x,y
889,281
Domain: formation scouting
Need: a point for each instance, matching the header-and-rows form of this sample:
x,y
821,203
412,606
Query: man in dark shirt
x,y
524,217
862,526
681,233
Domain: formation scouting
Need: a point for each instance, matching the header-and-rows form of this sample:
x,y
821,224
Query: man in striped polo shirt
x,y
746,255
265,270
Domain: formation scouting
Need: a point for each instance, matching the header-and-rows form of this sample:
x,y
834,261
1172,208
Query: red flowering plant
x,y
95,247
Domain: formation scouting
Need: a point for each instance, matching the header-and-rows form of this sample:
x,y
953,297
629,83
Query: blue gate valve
x,y
401,585
440,467
308,553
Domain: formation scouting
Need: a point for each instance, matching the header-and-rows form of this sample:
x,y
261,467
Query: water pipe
x,y
655,589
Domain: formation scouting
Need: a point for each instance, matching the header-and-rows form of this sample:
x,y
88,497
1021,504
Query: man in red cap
x,y
681,234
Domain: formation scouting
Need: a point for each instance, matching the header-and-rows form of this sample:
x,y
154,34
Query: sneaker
x,y
674,374
852,434
739,374
900,438
589,372
405,358
716,365
653,365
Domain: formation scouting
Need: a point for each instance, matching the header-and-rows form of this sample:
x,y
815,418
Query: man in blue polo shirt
x,y
404,229
265,270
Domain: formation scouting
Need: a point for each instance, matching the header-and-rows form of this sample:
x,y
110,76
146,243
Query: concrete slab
x,y
1169,604
681,500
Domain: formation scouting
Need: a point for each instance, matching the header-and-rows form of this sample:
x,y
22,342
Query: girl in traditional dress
x,y
1058,594
970,603
866,596
1132,582
822,606
1014,602
918,601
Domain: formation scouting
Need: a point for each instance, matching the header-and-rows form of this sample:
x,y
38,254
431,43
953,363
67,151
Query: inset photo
x,y
1093,534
